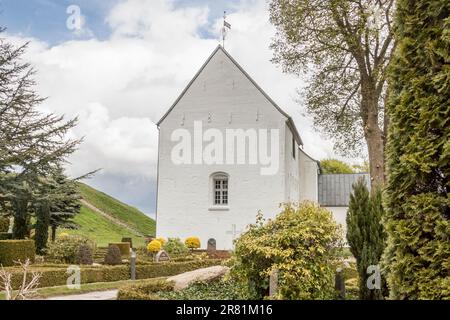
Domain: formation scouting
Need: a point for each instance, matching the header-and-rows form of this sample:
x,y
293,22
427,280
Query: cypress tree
x,y
42,224
418,154
366,237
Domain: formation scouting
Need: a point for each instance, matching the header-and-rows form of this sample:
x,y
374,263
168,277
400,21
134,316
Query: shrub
x,y
174,246
124,248
192,243
129,240
222,289
113,256
302,243
162,240
146,291
16,250
154,246
5,236
366,236
417,199
4,224
65,249
85,255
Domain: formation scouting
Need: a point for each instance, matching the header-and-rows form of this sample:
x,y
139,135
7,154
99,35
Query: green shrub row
x,y
52,276
16,250
146,291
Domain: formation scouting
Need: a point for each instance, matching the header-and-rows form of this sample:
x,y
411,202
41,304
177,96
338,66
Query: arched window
x,y
220,189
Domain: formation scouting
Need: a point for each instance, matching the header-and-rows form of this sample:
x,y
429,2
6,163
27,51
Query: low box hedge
x,y
53,276
145,291
16,250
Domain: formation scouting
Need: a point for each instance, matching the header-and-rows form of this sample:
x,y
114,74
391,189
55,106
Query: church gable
x,y
223,85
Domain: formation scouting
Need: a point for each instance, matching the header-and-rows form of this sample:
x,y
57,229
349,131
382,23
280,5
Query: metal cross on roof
x,y
226,27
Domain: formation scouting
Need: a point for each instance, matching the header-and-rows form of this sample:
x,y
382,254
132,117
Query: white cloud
x,y
121,86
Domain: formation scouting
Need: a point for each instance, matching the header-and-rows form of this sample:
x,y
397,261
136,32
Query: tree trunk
x,y
373,134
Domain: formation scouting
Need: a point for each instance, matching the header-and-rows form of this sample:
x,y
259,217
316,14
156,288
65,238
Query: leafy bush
x,y
162,240
146,291
174,246
215,290
65,248
124,248
113,256
302,243
4,224
5,236
16,250
85,255
154,246
192,243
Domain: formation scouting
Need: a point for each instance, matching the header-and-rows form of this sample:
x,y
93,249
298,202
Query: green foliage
x,y
215,290
65,249
16,250
42,225
124,248
85,255
5,236
365,235
175,247
113,256
56,275
4,224
302,243
153,290
418,154
335,166
130,215
100,229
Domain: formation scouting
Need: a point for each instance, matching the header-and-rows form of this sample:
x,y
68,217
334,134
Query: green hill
x,y
105,219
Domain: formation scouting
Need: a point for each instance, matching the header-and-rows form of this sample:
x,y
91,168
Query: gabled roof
x,y
290,121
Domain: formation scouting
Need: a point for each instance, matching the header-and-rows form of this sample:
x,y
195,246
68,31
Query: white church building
x,y
228,151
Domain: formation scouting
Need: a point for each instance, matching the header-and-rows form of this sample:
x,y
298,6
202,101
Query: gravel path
x,y
98,295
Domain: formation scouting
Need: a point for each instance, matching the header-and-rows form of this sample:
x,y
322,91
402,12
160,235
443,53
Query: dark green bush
x,y
5,236
113,256
85,255
4,224
16,250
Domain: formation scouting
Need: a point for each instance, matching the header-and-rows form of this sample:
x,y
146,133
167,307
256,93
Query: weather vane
x,y
226,27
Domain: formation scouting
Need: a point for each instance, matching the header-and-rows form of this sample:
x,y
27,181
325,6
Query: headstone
x,y
339,283
273,283
211,245
128,240
162,256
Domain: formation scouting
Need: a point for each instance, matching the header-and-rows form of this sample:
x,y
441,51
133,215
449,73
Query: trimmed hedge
x,y
5,236
124,248
53,276
145,291
16,250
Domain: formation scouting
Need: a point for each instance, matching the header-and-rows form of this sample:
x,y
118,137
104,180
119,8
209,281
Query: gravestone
x,y
162,256
339,283
211,245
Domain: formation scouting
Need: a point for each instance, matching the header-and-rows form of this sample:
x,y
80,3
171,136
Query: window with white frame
x,y
220,190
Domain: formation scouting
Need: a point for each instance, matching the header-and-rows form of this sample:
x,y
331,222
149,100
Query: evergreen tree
x,y
42,225
418,154
365,235
32,145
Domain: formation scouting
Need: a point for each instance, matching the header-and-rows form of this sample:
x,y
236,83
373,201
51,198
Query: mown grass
x,y
130,215
100,229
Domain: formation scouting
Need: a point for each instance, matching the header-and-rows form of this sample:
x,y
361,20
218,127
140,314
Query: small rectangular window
x,y
220,190
293,147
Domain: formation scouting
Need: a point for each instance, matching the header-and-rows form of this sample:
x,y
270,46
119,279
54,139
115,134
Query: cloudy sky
x,y
124,68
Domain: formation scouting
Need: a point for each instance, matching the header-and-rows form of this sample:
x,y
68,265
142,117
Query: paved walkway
x,y
98,295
